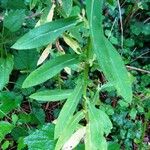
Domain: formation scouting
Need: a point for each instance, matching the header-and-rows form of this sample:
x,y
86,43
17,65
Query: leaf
x,y
45,34
5,128
68,109
44,55
68,130
6,66
65,7
49,69
13,4
51,95
72,43
108,58
8,102
98,124
41,139
14,20
25,60
74,139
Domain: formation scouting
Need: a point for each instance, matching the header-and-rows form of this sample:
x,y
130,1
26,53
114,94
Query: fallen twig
x,y
138,69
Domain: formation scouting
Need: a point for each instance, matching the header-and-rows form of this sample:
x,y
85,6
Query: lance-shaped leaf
x,y
6,66
45,34
51,95
95,130
68,109
49,69
69,130
109,59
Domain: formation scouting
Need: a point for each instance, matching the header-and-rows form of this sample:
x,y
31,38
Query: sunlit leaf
x,y
68,130
45,34
68,109
108,58
49,69
51,95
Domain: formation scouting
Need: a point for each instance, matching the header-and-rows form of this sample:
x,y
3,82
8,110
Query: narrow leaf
x,y
68,109
51,95
74,139
72,43
95,129
69,130
44,55
6,66
45,34
109,59
49,69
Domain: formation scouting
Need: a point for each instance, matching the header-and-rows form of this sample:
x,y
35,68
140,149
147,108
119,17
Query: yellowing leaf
x,y
69,129
45,54
72,43
74,139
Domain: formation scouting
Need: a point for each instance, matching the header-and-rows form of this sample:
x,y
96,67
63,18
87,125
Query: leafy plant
x,y
68,55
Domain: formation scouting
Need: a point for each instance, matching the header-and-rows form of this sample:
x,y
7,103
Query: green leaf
x,y
5,145
8,102
108,58
5,128
69,130
6,66
98,124
14,20
25,60
113,146
49,69
65,7
45,34
51,95
68,109
41,139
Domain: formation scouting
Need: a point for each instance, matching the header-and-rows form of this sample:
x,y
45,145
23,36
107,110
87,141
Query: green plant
x,y
97,122
72,45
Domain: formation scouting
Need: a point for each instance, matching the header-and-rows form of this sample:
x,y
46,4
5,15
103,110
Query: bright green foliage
x,y
6,66
45,34
5,145
108,58
8,102
5,128
41,139
68,109
69,129
14,20
51,95
49,69
70,100
97,125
